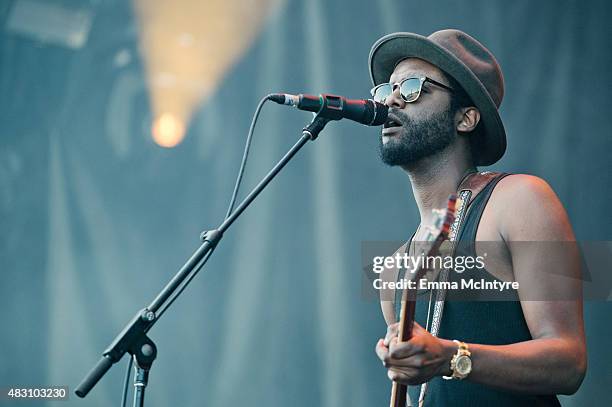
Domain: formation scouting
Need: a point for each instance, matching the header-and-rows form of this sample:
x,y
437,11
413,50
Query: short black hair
x,y
460,97
459,100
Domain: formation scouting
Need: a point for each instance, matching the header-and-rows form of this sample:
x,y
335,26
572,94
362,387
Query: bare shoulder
x,y
523,191
527,208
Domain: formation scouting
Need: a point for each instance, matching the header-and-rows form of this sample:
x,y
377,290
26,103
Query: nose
x,y
395,99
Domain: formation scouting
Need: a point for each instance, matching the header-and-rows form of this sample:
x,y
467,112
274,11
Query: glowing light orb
x,y
168,131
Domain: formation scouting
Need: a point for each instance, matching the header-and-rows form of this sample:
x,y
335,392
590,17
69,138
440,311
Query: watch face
x,y
463,365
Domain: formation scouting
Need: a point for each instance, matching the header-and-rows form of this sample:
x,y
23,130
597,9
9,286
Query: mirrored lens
x,y
381,93
411,89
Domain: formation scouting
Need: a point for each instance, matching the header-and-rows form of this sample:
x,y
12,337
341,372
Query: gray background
x,y
95,218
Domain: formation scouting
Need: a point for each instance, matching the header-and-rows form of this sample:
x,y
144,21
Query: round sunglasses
x,y
410,89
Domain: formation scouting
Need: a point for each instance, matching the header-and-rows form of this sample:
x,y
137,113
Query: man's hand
x,y
417,360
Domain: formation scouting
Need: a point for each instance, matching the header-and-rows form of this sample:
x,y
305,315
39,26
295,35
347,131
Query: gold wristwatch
x,y
461,364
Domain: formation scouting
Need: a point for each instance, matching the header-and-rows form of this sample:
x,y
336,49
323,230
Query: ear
x,y
467,119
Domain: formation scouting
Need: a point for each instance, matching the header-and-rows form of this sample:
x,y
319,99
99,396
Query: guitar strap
x,y
471,185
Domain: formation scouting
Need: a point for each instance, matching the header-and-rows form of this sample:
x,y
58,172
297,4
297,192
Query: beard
x,y
418,138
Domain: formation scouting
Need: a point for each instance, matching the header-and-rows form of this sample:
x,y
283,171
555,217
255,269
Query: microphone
x,y
333,107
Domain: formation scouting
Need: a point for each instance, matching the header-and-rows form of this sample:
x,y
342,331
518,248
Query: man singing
x,y
443,94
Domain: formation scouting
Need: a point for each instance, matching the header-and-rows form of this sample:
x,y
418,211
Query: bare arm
x,y
554,361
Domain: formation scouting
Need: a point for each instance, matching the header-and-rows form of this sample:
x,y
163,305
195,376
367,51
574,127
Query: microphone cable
x,y
230,208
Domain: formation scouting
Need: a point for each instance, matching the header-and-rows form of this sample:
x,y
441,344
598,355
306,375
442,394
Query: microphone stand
x,y
133,338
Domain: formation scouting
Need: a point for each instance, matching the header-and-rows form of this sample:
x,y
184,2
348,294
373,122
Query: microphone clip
x,y
315,126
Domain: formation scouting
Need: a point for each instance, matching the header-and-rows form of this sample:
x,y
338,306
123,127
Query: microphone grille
x,y
378,113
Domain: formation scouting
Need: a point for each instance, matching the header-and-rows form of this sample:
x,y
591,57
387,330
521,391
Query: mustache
x,y
403,116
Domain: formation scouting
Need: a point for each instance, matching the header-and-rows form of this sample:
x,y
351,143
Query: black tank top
x,y
482,322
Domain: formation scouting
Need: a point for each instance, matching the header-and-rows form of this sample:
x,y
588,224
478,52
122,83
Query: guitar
x,y
437,233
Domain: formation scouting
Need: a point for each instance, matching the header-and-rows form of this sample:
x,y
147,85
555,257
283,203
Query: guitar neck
x,y
408,306
406,322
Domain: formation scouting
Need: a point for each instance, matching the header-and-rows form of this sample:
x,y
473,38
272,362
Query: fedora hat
x,y
464,59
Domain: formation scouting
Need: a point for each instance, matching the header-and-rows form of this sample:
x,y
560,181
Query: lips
x,y
392,127
392,121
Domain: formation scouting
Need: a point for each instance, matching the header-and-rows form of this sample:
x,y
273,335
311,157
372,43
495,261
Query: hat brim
x,y
490,144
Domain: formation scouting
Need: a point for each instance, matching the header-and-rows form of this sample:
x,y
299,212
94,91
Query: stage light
x,y
188,46
168,130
